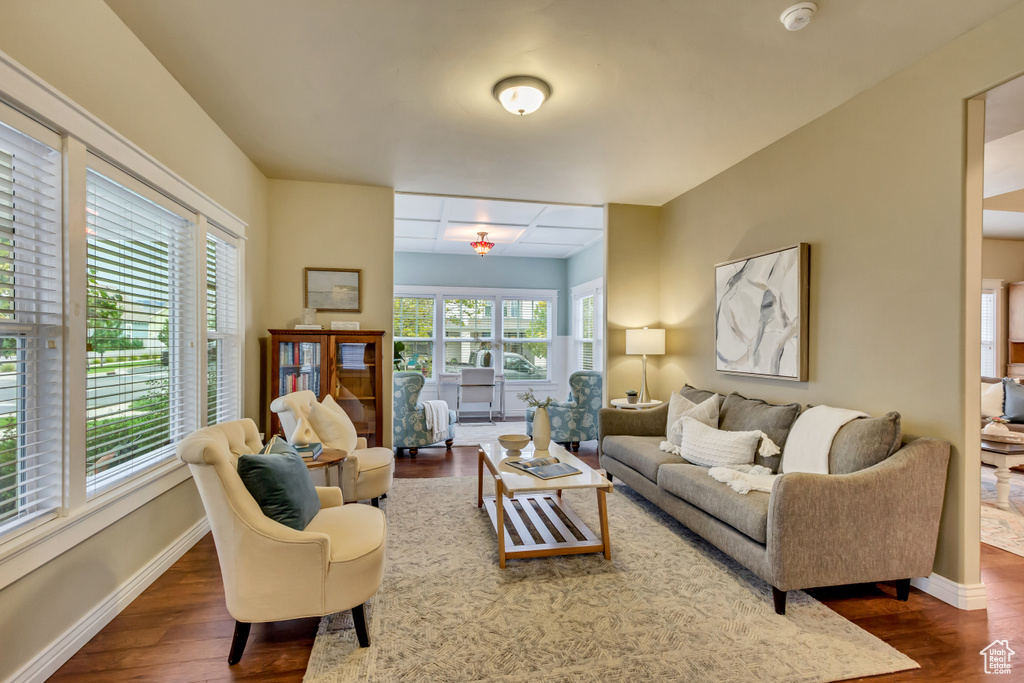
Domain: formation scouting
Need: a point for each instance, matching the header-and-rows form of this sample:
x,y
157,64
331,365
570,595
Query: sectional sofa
x,y
874,518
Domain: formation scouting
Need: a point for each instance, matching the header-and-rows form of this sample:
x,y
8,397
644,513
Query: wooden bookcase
x,y
347,364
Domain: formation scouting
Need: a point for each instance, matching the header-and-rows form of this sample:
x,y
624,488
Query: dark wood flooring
x,y
179,629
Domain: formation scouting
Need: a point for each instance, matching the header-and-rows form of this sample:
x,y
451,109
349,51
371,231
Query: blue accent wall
x,y
585,266
454,270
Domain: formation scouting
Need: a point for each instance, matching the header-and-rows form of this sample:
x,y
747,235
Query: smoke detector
x,y
798,16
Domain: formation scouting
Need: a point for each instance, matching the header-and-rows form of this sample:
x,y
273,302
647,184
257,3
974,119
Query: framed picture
x,y
761,309
334,289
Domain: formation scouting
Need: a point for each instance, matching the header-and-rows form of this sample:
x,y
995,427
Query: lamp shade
x,y
645,341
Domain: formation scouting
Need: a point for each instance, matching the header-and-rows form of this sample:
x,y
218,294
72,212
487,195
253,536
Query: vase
x,y
541,429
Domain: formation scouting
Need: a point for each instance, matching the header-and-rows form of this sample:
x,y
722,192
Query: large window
x,y
414,334
468,333
989,301
223,386
31,380
141,391
587,326
526,338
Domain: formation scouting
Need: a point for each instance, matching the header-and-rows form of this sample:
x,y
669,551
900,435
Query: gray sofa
x,y
875,518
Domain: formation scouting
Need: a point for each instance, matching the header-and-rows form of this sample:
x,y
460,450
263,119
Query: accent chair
x,y
575,419
410,421
272,572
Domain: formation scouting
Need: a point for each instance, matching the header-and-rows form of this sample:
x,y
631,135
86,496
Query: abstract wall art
x,y
761,309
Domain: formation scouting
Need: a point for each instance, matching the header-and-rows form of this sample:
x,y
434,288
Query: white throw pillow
x,y
710,447
333,425
679,406
991,399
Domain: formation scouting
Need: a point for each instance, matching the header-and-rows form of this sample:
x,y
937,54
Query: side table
x,y
624,404
329,458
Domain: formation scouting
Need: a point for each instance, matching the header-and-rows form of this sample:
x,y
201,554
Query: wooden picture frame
x,y
339,290
761,314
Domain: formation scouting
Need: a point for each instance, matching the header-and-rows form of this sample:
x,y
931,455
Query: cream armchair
x,y
272,572
366,473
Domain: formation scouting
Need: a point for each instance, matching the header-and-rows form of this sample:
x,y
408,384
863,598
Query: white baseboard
x,y
960,595
44,664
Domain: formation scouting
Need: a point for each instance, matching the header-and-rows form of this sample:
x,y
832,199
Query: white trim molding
x,y
45,663
960,595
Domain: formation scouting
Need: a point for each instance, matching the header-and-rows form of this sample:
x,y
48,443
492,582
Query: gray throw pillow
x,y
864,442
282,487
698,396
1013,401
740,414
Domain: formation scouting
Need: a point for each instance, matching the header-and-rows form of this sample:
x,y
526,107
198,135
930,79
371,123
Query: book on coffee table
x,y
543,468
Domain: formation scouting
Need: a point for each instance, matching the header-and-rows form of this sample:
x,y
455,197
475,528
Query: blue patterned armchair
x,y
410,423
576,419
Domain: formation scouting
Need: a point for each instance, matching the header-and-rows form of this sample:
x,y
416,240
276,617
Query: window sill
x,y
25,552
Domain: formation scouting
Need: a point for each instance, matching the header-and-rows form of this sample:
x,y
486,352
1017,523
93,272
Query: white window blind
x,y
988,333
141,391
223,386
585,338
526,339
471,322
413,320
31,377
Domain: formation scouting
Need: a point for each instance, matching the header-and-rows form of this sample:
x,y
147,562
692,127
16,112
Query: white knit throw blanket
x,y
436,418
745,478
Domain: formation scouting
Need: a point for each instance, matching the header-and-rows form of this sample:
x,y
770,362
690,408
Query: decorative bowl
x,y
513,442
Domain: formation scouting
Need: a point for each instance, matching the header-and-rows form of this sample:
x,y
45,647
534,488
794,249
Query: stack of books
x,y
310,452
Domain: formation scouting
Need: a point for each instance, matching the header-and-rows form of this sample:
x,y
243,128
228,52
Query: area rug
x,y
988,488
1003,529
668,607
474,434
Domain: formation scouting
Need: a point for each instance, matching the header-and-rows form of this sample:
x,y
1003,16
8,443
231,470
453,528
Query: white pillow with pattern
x,y
679,407
710,447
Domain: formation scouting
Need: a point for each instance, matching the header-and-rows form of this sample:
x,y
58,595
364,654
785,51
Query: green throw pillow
x,y
282,487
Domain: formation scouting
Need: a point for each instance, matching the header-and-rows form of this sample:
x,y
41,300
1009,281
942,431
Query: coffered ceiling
x,y
649,97
446,225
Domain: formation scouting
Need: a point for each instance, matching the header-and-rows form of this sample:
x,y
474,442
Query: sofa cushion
x,y
641,453
694,394
991,399
741,414
679,407
1013,401
710,447
864,442
747,513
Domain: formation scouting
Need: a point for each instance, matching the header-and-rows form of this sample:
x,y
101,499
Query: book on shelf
x,y
310,452
543,468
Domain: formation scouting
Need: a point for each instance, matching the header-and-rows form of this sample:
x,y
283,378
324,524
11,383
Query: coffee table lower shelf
x,y
529,523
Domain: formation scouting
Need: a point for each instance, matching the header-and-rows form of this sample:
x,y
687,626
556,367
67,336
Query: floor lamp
x,y
645,342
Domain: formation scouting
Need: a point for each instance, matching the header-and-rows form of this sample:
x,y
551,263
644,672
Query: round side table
x,y
626,405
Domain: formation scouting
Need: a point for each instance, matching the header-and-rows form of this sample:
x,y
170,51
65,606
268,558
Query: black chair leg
x,y
903,589
359,618
383,496
780,601
238,641
608,476
448,444
413,451
375,502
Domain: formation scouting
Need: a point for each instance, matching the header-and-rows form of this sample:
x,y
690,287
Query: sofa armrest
x,y
330,496
878,524
613,421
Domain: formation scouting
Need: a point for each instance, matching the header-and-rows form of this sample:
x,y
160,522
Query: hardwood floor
x,y
179,629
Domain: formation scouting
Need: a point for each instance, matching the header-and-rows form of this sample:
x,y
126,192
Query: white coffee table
x,y
1003,456
626,405
539,501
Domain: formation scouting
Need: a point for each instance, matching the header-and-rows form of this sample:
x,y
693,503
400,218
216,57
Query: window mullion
x,y
75,336
202,353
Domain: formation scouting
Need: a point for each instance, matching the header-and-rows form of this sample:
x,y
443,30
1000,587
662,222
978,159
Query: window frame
x,y
995,289
36,108
432,376
594,288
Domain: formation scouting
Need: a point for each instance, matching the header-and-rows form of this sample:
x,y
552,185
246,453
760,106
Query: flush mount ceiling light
x,y
521,95
482,246
798,16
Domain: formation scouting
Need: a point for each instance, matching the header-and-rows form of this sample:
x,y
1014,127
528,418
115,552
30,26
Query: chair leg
x,y
238,641
903,589
375,502
608,476
448,444
413,452
780,601
359,618
575,446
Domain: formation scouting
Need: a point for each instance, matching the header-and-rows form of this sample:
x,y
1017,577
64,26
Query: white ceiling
x,y
1004,161
446,225
649,97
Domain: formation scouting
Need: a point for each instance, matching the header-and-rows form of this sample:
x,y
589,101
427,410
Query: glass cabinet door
x,y
354,385
299,367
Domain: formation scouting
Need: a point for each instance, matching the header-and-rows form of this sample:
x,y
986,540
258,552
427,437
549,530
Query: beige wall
x,y
632,288
876,188
85,51
328,225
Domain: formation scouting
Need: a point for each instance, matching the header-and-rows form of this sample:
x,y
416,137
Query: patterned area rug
x,y
1003,529
668,607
